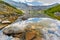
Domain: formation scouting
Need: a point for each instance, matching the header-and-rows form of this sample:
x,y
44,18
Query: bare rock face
x,y
2,26
33,29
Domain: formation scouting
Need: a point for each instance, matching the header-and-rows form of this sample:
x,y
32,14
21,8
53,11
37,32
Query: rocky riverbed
x,y
32,29
6,19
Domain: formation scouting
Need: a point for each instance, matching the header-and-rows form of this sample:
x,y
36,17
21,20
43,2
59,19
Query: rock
x,y
12,30
0,20
1,16
24,17
6,22
15,38
2,26
18,35
30,35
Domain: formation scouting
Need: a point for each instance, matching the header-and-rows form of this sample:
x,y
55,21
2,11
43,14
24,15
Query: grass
x,y
9,12
53,10
8,6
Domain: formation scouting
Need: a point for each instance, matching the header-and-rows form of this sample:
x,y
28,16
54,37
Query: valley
x,y
20,21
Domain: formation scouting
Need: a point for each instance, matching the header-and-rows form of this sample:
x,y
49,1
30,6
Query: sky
x,y
46,2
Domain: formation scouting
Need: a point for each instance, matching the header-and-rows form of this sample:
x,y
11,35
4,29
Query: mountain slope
x,y
8,6
8,14
17,4
54,11
25,6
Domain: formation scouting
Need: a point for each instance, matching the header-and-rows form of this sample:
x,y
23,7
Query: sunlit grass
x,y
51,11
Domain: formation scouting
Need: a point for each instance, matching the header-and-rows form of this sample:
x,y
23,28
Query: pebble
x,y
6,22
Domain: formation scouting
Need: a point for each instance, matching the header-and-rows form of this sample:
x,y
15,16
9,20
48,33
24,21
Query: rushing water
x,y
50,33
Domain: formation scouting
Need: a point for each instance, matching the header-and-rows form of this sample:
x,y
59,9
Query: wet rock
x,y
6,22
15,38
19,35
12,30
1,16
0,20
57,13
2,26
30,35
24,17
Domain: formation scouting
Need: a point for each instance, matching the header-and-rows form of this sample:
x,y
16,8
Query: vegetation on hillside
x,y
51,11
11,8
8,13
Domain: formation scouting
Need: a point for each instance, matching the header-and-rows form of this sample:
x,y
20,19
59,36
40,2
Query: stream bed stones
x,y
6,19
34,29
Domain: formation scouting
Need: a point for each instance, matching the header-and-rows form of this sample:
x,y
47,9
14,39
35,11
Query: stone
x,y
6,22
15,38
30,35
12,30
2,26
0,20
57,13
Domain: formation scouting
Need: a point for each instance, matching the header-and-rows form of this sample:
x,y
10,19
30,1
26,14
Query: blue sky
x,y
44,2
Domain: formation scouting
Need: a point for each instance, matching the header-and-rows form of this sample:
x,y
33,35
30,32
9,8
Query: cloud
x,y
29,4
43,1
49,1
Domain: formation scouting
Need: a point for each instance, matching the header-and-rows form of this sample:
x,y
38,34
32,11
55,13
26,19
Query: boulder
x,y
6,22
2,26
32,36
15,38
0,20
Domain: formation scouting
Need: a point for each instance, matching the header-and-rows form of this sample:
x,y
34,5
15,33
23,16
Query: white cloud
x,y
29,4
46,2
49,1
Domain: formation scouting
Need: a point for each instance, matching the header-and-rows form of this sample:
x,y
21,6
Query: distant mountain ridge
x,y
24,6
